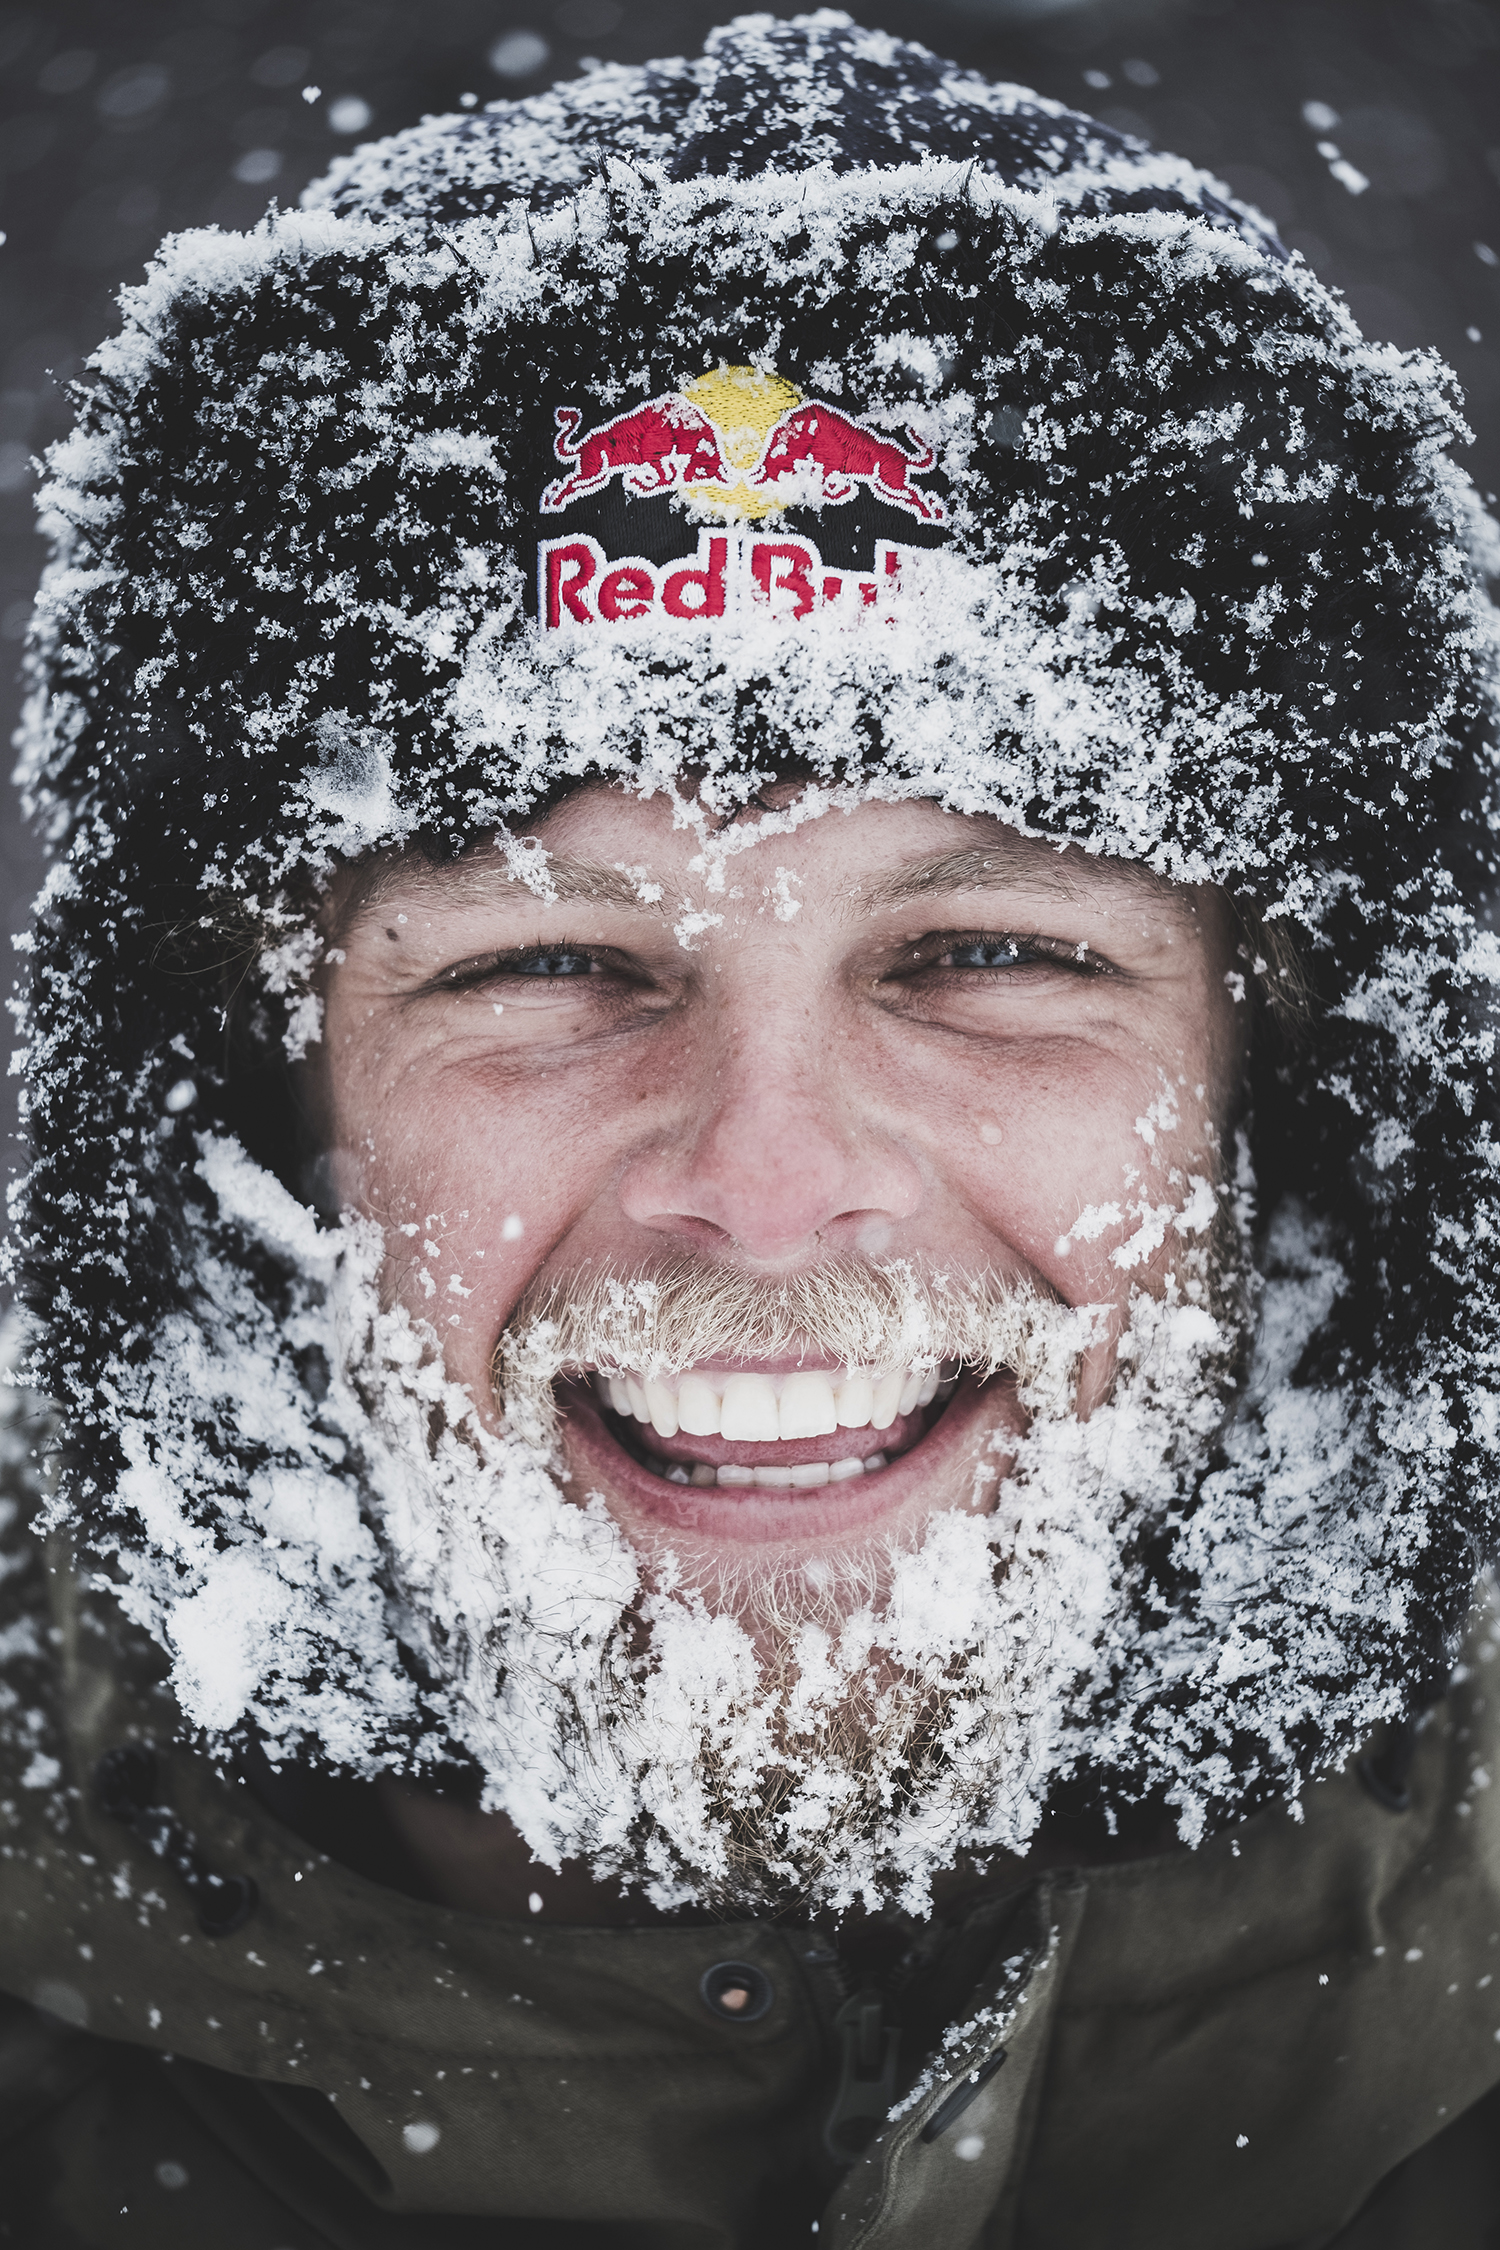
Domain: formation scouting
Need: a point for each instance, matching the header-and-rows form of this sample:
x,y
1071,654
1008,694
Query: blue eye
x,y
558,964
986,953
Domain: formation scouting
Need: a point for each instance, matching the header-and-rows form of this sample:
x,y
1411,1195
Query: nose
x,y
772,1154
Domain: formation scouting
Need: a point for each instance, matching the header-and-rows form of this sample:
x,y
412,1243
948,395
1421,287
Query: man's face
x,y
898,1034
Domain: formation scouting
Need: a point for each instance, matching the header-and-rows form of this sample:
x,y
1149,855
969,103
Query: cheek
x,y
1028,1141
1068,1158
473,1183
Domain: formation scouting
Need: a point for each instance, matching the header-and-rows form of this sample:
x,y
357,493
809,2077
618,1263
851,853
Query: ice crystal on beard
x,y
615,1715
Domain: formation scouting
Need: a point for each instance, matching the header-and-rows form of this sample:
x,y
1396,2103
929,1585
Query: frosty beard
x,y
750,1739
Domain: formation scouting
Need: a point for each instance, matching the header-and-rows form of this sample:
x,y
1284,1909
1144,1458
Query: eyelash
x,y
1014,952
527,963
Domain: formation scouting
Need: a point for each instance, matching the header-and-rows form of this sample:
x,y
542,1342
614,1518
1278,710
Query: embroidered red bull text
x,y
578,584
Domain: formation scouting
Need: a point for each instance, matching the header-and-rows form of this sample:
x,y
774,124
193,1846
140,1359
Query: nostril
x,y
737,1992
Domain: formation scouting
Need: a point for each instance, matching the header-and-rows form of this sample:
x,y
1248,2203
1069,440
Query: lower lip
x,y
941,1458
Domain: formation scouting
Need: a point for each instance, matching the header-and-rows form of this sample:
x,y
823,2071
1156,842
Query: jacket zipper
x,y
867,2045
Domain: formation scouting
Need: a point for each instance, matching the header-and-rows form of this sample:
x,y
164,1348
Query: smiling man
x,y
847,1154
847,1086
762,1214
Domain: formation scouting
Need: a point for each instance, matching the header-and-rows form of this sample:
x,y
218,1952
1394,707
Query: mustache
x,y
656,1322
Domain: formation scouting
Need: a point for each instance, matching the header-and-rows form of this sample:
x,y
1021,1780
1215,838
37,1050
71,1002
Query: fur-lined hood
x,y
810,402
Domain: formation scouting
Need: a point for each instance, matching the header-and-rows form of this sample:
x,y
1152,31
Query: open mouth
x,y
781,1432
787,1453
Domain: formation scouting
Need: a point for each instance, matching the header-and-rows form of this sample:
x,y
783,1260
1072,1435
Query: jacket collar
x,y
1238,2041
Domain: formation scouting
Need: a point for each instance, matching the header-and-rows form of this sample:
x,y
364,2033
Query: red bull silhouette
x,y
845,454
651,448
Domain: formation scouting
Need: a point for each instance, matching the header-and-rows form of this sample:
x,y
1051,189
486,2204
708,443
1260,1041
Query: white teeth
x,y
854,1401
662,1407
887,1401
734,1476
698,1407
806,1407
748,1413
765,1409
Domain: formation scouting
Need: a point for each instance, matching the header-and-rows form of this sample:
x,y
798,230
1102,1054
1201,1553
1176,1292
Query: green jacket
x,y
1244,2046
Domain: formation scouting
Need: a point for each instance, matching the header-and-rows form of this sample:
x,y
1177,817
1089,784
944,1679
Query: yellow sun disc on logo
x,y
744,405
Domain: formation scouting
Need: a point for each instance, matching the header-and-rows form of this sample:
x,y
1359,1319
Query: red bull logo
x,y
736,448
835,455
742,444
653,448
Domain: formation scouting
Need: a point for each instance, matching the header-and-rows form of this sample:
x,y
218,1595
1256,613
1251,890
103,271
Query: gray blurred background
x,y
1368,130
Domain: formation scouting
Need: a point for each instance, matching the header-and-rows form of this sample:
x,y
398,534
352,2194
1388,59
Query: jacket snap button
x,y
737,1991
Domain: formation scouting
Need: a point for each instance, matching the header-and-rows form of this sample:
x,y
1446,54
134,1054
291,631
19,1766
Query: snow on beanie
x,y
814,403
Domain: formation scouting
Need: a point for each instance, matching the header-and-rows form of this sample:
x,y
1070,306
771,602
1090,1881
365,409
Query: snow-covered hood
x,y
809,401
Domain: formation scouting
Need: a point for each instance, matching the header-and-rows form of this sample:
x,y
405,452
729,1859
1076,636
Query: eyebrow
x,y
475,878
590,879
999,866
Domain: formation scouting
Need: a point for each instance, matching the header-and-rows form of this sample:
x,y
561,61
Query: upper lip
x,y
758,1407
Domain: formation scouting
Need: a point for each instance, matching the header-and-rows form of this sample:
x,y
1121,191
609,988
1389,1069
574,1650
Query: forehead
x,y
610,846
